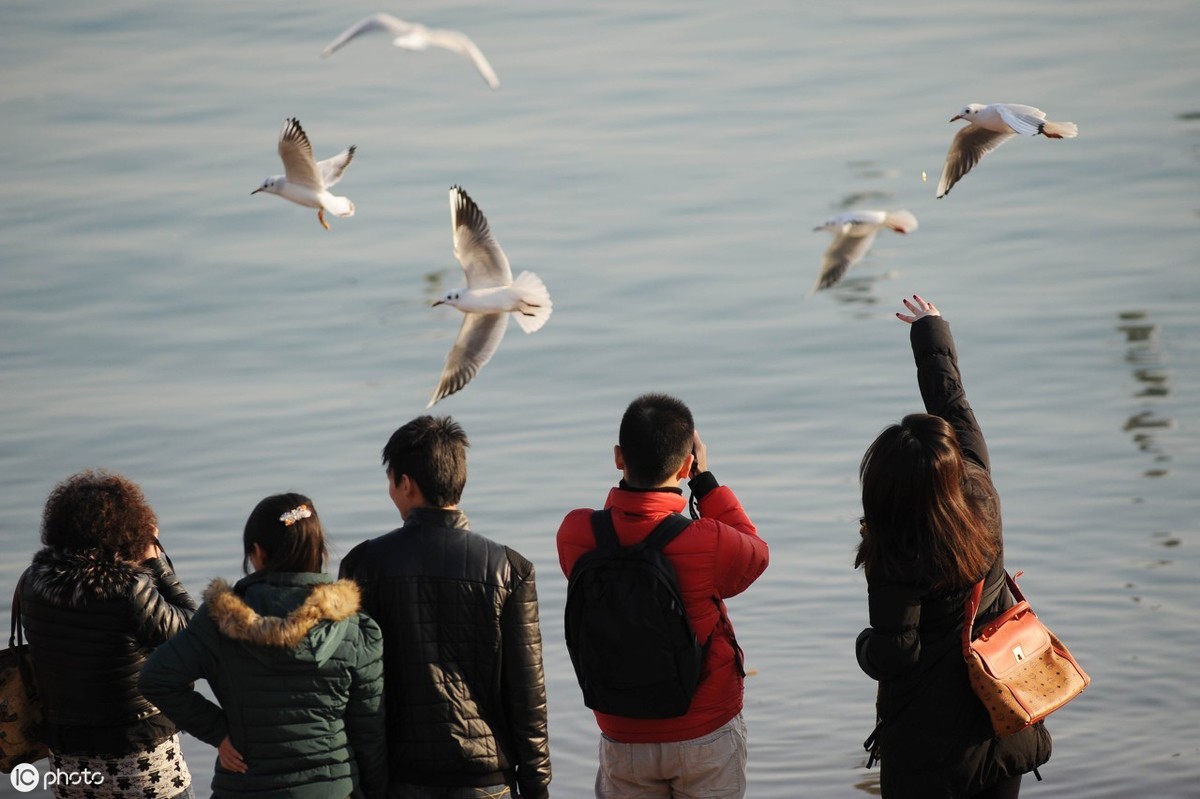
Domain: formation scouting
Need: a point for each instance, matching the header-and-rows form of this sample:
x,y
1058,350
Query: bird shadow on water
x,y
857,197
1145,357
861,292
1147,423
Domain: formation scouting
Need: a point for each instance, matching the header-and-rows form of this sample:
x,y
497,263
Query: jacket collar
x,y
437,517
645,503
75,577
624,486
327,601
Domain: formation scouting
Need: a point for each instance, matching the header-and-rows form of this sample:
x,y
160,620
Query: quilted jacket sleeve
x,y
523,683
364,714
741,556
169,674
941,385
161,605
892,644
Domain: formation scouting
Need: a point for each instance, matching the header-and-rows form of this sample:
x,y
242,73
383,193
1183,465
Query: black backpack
x,y
628,633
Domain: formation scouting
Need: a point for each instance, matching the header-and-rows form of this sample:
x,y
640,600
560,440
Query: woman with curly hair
x,y
98,598
930,531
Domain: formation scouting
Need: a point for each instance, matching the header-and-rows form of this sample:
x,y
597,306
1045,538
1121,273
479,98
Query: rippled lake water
x,y
661,166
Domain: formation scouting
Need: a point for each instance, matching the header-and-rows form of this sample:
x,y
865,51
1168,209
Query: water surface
x,y
661,168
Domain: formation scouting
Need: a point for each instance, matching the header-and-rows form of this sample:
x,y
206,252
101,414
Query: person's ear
x,y
618,458
685,469
258,557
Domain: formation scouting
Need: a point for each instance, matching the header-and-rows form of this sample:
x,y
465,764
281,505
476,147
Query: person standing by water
x,y
931,530
294,664
97,599
466,695
702,752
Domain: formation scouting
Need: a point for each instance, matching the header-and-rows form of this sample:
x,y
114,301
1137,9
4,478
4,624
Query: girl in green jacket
x,y
295,667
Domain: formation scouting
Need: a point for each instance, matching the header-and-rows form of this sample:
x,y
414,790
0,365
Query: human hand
x,y
700,452
229,758
152,549
922,309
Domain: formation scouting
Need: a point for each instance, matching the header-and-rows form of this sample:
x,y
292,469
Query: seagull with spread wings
x,y
415,36
490,297
306,181
854,233
989,126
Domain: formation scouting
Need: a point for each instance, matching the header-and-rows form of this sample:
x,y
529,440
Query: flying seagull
x,y
490,297
415,36
854,232
989,126
305,181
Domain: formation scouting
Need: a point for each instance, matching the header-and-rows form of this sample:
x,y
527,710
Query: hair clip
x,y
295,515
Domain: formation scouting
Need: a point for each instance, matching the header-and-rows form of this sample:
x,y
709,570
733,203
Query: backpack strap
x,y
667,531
664,533
602,528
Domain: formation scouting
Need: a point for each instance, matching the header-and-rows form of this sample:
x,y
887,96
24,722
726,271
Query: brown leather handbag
x,y
1019,669
20,702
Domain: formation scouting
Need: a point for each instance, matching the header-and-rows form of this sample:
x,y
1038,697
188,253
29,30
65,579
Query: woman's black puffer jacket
x,y
91,622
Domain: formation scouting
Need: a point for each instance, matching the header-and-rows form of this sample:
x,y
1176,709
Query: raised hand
x,y
921,309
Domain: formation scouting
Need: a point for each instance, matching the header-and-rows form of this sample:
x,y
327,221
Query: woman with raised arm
x,y
930,531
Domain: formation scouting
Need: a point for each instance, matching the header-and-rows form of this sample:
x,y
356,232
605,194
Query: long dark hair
x,y
929,517
289,531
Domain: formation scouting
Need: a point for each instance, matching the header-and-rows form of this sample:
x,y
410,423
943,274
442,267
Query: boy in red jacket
x,y
703,752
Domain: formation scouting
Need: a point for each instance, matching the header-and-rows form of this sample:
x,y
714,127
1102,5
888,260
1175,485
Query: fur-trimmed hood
x,y
74,578
284,612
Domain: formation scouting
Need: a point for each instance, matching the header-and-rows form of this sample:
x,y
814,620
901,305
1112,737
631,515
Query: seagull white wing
x,y
859,217
474,247
375,22
847,249
296,154
332,169
968,148
478,339
1024,119
460,43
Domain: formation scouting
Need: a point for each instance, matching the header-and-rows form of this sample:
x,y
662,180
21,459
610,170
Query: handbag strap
x,y
16,634
971,607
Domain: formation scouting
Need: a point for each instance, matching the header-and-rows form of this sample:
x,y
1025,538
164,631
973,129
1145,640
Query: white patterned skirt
x,y
156,771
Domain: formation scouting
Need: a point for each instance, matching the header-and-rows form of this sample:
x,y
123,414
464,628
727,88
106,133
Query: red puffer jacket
x,y
716,557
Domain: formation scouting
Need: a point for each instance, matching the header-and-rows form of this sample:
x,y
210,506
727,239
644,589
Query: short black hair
x,y
289,530
432,451
657,433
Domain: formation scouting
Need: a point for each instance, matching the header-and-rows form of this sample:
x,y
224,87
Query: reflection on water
x,y
1143,353
861,289
869,784
857,198
435,283
872,170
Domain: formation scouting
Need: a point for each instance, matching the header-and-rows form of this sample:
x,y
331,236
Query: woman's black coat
x,y
935,737
91,622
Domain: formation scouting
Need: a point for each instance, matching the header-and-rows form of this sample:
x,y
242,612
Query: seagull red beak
x,y
955,117
256,191
436,304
